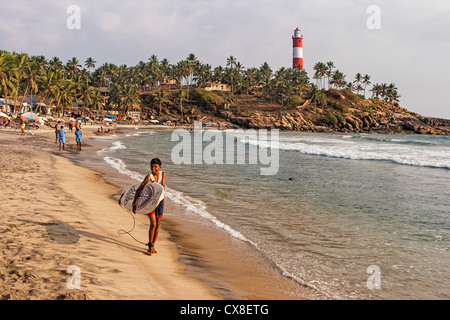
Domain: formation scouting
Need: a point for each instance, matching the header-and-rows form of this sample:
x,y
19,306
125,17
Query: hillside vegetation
x,y
258,97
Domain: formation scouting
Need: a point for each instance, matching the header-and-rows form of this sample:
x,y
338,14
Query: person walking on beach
x,y
62,138
155,216
78,135
22,126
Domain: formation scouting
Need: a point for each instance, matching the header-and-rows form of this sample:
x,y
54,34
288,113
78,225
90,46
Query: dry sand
x,y
55,215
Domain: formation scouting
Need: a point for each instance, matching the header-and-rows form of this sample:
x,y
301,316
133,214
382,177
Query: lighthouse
x,y
297,44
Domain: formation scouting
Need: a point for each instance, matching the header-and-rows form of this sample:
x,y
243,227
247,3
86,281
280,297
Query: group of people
x,y
60,134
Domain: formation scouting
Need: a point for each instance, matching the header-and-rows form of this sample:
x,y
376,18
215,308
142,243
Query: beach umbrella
x,y
4,115
30,116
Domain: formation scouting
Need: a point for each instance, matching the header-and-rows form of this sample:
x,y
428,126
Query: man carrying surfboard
x,y
156,176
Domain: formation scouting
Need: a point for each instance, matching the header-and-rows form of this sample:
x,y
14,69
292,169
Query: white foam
x,y
120,166
117,145
396,150
179,198
199,208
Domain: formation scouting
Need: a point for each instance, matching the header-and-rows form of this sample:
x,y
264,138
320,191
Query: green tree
x,y
90,63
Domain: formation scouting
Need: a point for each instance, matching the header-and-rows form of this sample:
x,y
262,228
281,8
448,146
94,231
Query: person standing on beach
x,y
56,131
78,135
62,138
155,216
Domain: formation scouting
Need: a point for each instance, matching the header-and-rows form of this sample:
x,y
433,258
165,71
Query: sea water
x,y
352,216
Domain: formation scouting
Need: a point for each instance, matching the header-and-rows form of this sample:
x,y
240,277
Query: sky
x,y
405,42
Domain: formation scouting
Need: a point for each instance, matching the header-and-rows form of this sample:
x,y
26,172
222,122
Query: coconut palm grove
x,y
156,88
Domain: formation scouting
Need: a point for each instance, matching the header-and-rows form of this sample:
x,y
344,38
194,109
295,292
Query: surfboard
x,y
151,194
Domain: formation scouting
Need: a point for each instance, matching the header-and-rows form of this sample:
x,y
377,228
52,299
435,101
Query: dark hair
x,y
155,161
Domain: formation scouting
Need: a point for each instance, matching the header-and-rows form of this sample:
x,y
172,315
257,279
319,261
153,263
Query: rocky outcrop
x,y
352,122
337,111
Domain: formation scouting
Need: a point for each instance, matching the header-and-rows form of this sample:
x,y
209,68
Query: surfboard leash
x,y
121,231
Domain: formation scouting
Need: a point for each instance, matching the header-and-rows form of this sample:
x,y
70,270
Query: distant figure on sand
x,y
57,127
78,135
62,138
22,126
155,217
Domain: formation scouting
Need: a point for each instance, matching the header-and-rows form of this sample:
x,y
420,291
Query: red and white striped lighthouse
x,y
297,43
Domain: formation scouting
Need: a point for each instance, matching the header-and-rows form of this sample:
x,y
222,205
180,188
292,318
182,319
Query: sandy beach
x,y
59,216
56,215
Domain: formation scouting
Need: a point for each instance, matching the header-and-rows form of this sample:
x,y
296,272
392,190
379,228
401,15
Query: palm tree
x,y
218,74
55,64
159,97
181,72
231,63
266,73
357,82
8,74
338,79
190,70
164,66
376,90
20,62
130,97
204,74
250,78
97,100
365,82
31,77
66,94
300,80
48,85
181,94
392,93
85,94
153,70
72,67
329,71
90,63
314,93
320,69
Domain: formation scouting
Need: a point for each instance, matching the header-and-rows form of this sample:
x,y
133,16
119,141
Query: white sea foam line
x,y
185,201
117,145
357,151
199,208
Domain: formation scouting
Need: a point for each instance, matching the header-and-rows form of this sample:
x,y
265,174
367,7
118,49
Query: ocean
x,y
351,216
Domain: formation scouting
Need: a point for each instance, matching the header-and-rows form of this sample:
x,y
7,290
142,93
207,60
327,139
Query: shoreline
x,y
200,266
202,248
49,223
